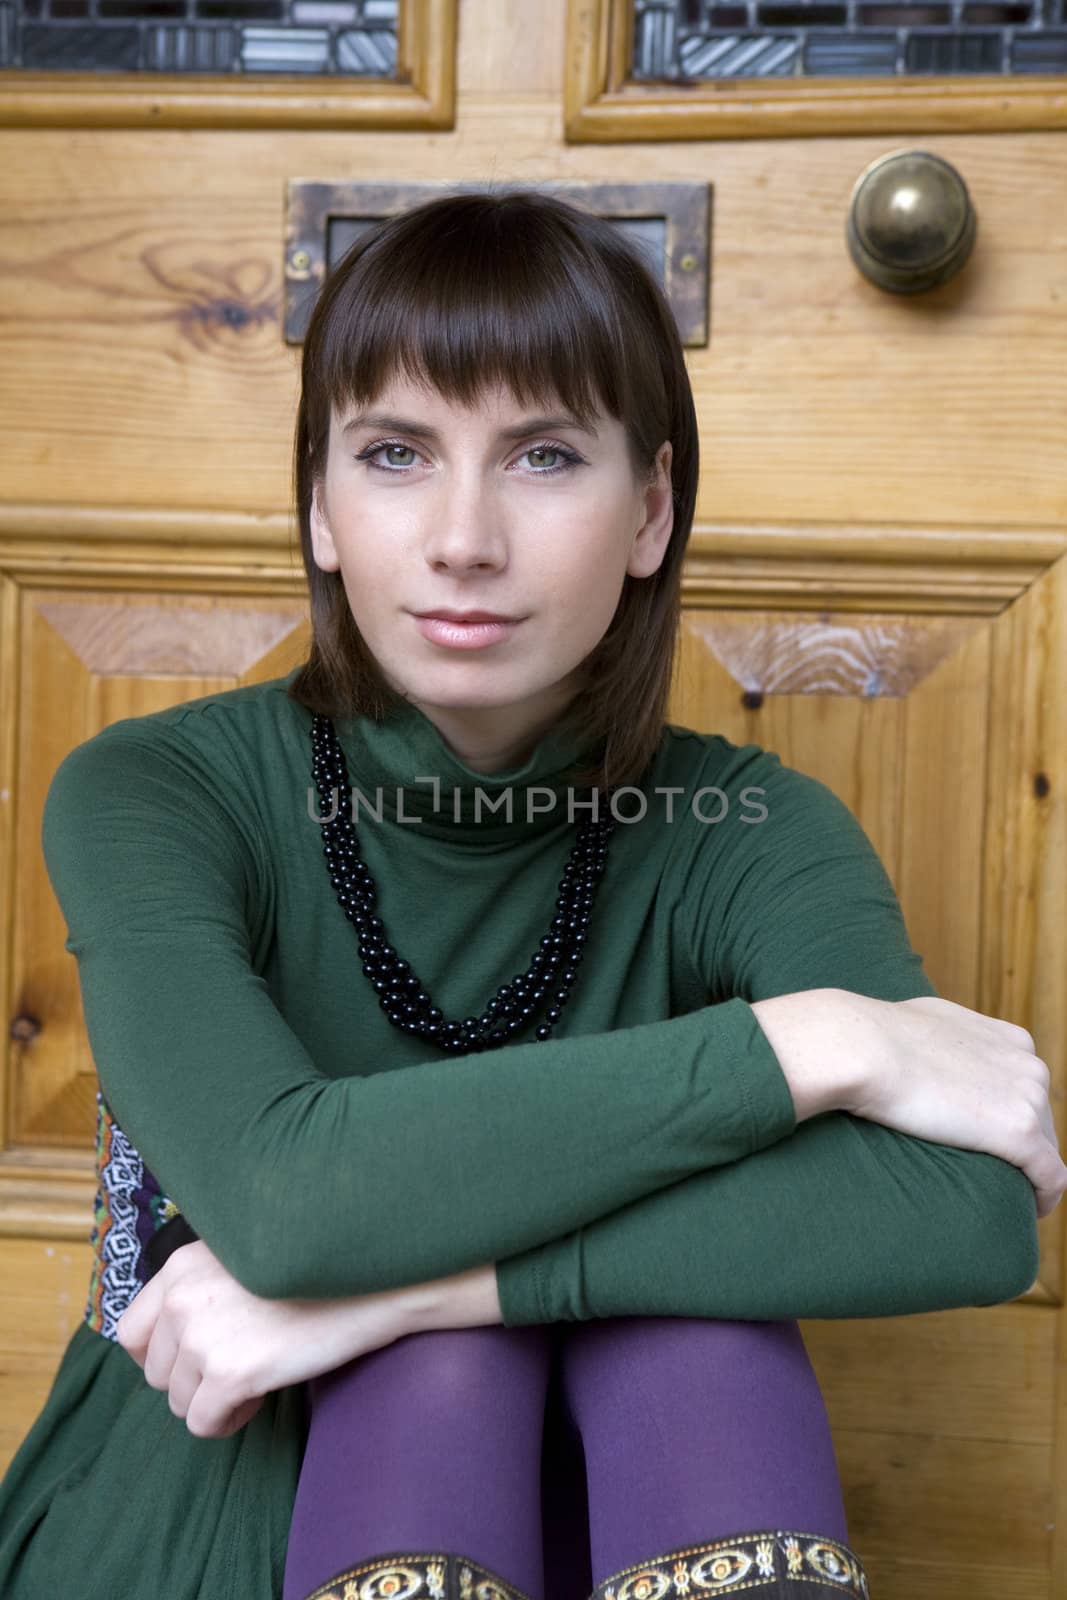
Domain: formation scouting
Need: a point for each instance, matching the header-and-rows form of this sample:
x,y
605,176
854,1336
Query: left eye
x,y
568,458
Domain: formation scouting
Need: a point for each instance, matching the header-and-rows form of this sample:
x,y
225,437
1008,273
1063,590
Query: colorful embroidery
x,y
129,1208
750,1561
417,1577
774,1561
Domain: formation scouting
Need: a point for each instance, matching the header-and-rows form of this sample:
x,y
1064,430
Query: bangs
x,y
462,297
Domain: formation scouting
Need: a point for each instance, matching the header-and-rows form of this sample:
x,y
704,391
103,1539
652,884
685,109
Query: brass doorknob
x,y
911,224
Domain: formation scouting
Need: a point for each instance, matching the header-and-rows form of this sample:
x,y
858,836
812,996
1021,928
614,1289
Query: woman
x,y
348,1269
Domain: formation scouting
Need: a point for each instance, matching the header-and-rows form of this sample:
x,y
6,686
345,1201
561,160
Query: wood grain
x,y
875,589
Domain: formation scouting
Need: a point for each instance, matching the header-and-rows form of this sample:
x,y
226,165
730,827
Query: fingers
x,y
212,1403
183,1381
162,1352
163,1330
1054,1179
1057,1189
137,1323
219,1403
220,1423
1047,1174
135,1326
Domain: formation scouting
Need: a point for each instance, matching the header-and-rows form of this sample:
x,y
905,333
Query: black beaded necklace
x,y
551,973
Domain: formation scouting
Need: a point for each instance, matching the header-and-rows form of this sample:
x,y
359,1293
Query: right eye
x,y
376,449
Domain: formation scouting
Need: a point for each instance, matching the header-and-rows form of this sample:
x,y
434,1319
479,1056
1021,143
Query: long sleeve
x,y
307,1185
844,1217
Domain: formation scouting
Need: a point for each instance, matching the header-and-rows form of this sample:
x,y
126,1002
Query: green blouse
x,y
645,1160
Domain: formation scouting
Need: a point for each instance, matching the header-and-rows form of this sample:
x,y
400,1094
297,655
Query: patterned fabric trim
x,y
793,1566
129,1208
421,1576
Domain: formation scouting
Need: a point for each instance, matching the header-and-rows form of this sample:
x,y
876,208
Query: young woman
x,y
379,1308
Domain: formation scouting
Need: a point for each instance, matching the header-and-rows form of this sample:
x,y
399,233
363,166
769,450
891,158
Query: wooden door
x,y
876,587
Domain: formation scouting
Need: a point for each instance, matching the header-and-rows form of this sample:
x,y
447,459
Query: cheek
x,y
579,616
369,567
368,588
595,570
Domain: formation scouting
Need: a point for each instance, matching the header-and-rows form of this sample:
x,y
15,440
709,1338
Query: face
x,y
427,506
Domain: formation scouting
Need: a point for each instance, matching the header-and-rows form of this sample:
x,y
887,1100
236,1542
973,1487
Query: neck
x,y
494,738
410,772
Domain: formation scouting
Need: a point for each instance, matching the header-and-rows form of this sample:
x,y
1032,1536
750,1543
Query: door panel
x,y
875,589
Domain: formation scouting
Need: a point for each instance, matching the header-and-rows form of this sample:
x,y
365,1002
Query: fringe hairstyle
x,y
524,290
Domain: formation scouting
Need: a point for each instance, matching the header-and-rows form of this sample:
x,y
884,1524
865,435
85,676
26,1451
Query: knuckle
x,y
179,1298
1034,1097
224,1375
1026,1123
1013,1032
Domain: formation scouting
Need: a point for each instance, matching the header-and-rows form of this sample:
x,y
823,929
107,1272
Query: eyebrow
x,y
421,430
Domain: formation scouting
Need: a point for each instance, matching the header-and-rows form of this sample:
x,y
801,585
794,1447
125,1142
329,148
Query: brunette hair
x,y
524,290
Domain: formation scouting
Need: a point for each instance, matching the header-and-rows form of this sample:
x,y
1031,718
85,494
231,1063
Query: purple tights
x,y
690,1429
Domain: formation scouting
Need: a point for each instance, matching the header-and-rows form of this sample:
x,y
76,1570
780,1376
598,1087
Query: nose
x,y
465,530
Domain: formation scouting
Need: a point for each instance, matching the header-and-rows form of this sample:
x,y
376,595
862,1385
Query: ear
x,y
654,535
322,545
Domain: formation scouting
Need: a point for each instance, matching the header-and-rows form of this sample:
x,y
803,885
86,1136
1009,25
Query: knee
x,y
445,1371
636,1336
459,1367
673,1352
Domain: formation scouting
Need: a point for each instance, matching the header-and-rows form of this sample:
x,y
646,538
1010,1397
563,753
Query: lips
x,y
466,616
466,635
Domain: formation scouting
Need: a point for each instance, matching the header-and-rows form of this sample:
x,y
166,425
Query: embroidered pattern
x,y
129,1208
417,1577
750,1561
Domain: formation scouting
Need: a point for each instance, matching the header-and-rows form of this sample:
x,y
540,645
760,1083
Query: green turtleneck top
x,y
644,1160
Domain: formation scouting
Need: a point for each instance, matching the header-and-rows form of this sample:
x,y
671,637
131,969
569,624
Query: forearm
x,y
843,1219
323,1335
463,1300
813,1035
812,1041
466,1299
816,1046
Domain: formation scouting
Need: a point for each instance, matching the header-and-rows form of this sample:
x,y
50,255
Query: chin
x,y
470,700
491,695
484,685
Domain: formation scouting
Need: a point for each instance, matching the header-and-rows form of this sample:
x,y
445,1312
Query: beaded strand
x,y
553,968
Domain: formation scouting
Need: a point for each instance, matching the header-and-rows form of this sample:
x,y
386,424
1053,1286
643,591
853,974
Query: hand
x,y
219,1349
949,1074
